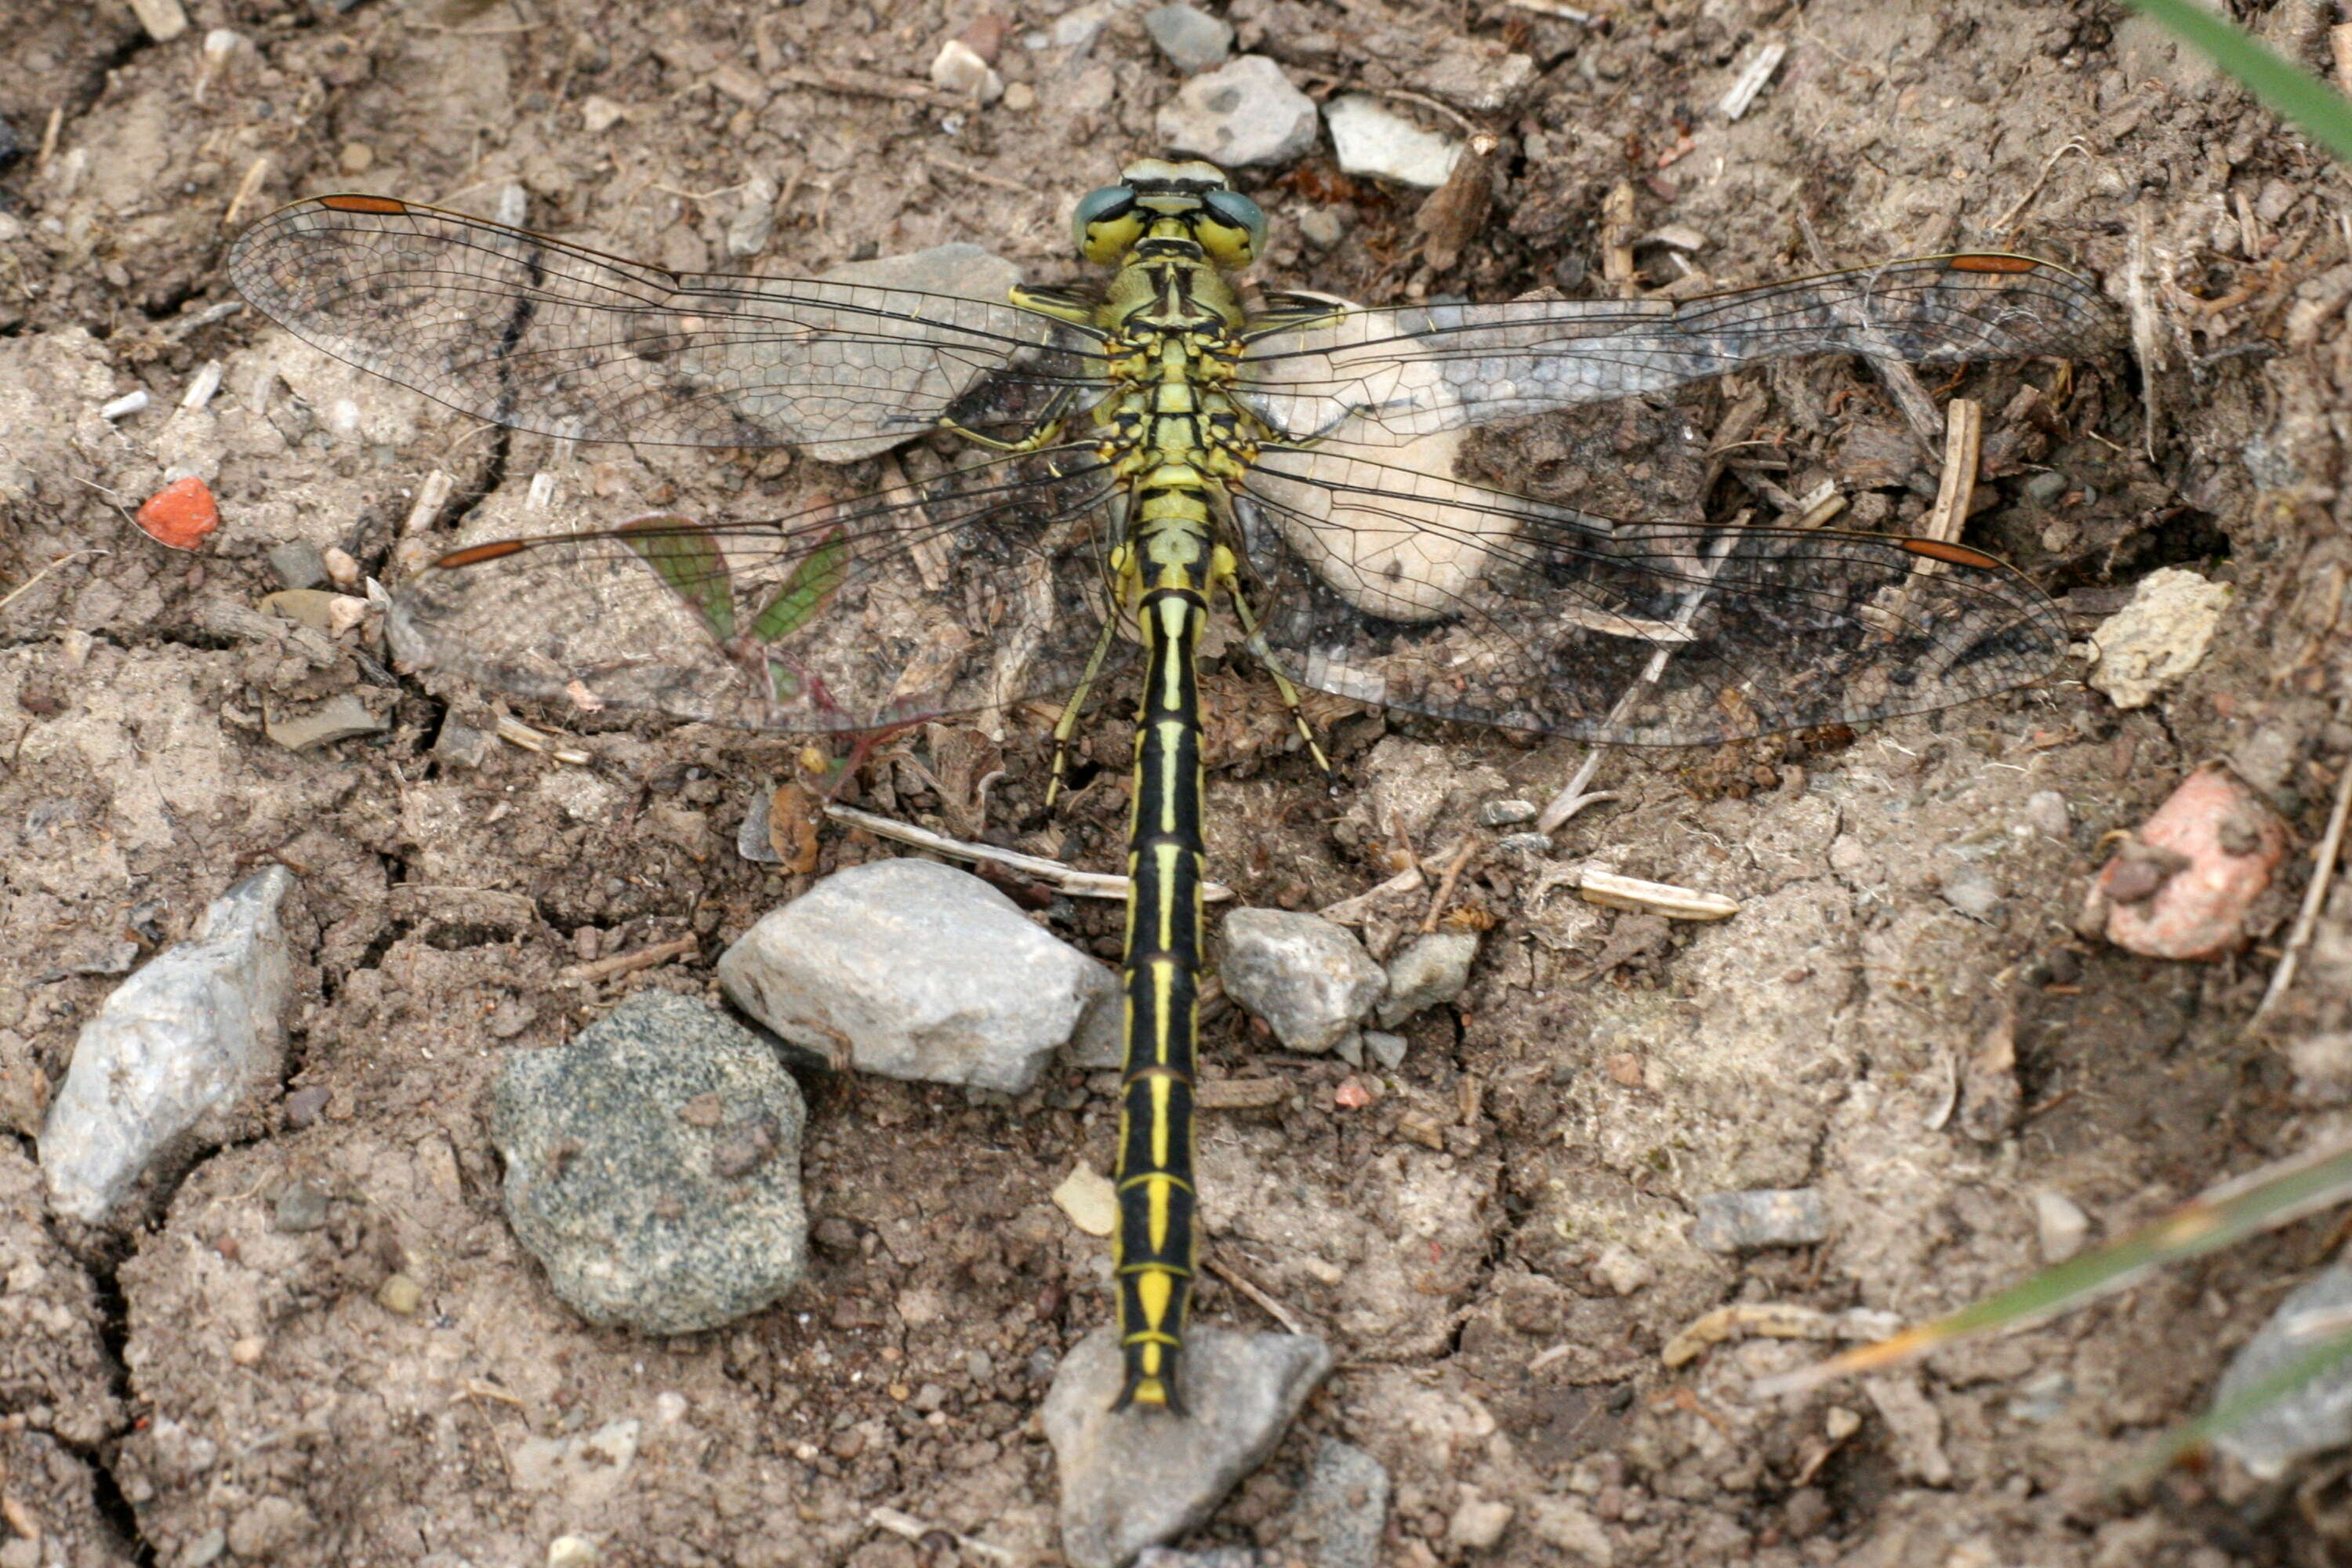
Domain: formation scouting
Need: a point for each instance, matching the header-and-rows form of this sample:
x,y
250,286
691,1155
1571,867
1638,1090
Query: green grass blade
x,y
2152,1461
2301,98
2261,1200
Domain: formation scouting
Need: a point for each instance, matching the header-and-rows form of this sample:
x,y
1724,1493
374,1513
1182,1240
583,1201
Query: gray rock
x,y
300,1207
1971,890
298,565
1525,844
1471,74
653,1166
461,746
2046,813
1732,1222
177,1053
1343,1507
1136,1477
1322,227
1192,40
2316,1417
916,970
754,221
752,838
1311,981
1373,139
1506,813
1432,970
1387,1049
1242,113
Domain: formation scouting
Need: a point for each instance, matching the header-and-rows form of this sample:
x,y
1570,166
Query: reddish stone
x,y
180,514
2182,886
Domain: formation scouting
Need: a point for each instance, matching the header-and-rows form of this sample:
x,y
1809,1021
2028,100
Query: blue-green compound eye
x,y
1239,212
1096,206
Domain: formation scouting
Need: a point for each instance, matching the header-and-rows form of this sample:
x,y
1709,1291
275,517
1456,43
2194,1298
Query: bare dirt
x,y
1496,1245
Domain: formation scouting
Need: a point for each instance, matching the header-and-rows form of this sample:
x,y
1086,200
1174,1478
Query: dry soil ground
x,y
1496,1246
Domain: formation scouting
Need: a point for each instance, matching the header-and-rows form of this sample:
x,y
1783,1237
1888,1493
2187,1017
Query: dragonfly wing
x,y
540,336
1394,586
965,594
1382,376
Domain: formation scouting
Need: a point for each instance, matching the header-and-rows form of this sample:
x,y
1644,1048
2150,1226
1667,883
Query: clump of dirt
x,y
1496,1240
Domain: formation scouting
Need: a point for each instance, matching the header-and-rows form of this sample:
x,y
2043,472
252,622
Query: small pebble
x,y
1322,227
1430,970
298,565
2046,813
343,569
598,115
1372,139
401,1295
356,158
1622,1269
1971,889
1525,844
2152,643
1386,1049
1506,813
180,515
1019,98
2044,487
1242,113
248,1351
572,1552
2185,885
123,407
2059,1225
1089,1198
958,69
1477,1524
306,1105
302,1207
1734,1222
1192,40
1311,981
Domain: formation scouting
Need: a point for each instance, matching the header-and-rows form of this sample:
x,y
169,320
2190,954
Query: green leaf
x,y
684,555
2323,114
816,580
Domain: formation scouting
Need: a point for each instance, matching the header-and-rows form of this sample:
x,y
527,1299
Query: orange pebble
x,y
180,514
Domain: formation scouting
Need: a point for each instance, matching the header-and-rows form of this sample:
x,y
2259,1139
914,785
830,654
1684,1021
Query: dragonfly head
x,y
1159,200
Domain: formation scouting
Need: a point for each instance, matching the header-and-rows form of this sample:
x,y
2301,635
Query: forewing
x,y
962,595
1381,376
540,336
1396,587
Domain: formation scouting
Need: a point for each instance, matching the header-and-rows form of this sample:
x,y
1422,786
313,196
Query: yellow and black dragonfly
x,y
1141,452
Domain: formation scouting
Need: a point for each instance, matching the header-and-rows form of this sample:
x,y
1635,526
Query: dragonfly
x,y
1141,452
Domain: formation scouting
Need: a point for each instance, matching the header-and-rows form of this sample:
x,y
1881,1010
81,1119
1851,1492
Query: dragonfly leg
x,y
1043,436
1281,681
1067,724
